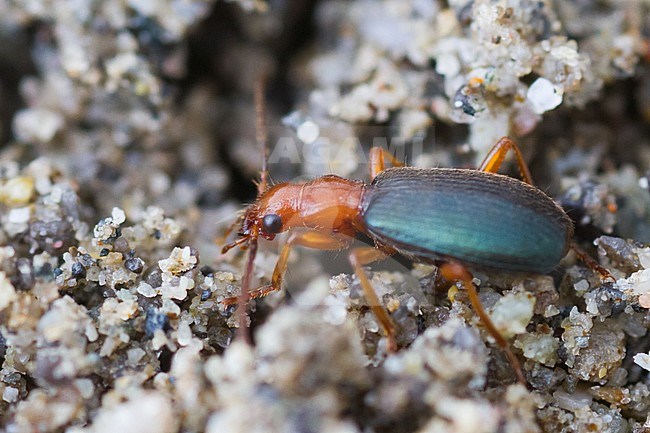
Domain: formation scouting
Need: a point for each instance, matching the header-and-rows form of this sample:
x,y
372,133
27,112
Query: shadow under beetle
x,y
447,216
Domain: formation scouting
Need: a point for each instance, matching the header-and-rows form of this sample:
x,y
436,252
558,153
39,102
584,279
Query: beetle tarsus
x,y
260,292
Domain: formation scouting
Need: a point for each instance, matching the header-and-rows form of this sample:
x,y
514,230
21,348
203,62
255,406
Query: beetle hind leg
x,y
591,263
497,154
452,271
378,157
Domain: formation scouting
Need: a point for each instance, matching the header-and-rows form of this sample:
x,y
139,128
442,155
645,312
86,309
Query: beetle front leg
x,y
497,154
452,271
311,239
360,257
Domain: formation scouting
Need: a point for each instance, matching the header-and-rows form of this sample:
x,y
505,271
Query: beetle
x,y
449,216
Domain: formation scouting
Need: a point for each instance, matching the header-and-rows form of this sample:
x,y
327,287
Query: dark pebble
x,y
155,320
104,252
45,272
121,245
23,279
55,237
3,348
78,271
165,359
205,295
207,271
219,336
86,260
154,279
134,264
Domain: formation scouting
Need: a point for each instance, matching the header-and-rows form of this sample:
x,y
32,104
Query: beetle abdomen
x,y
481,218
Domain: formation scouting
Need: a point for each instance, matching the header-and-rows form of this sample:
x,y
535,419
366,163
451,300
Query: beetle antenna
x,y
261,133
261,136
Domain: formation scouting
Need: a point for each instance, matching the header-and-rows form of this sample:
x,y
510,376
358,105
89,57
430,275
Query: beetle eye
x,y
272,224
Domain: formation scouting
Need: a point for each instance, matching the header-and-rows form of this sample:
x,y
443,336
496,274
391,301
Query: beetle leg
x,y
360,257
453,271
497,154
377,157
591,263
260,292
312,239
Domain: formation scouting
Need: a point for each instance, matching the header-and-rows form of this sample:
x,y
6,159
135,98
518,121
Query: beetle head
x,y
268,216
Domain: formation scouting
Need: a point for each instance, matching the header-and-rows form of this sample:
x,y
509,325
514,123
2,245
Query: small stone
x,y
155,321
154,278
55,237
581,286
78,271
146,412
184,334
644,300
19,216
543,96
602,355
220,337
308,132
106,229
7,291
134,264
448,64
37,124
640,282
170,308
644,257
17,191
573,401
85,387
118,215
121,245
512,313
10,394
180,260
539,347
159,339
642,360
207,271
134,355
146,290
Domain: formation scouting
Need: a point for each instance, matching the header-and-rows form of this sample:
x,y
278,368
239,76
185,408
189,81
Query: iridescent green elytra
x,y
481,218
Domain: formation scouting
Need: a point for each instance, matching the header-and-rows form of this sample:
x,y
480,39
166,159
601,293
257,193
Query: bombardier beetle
x,y
448,216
